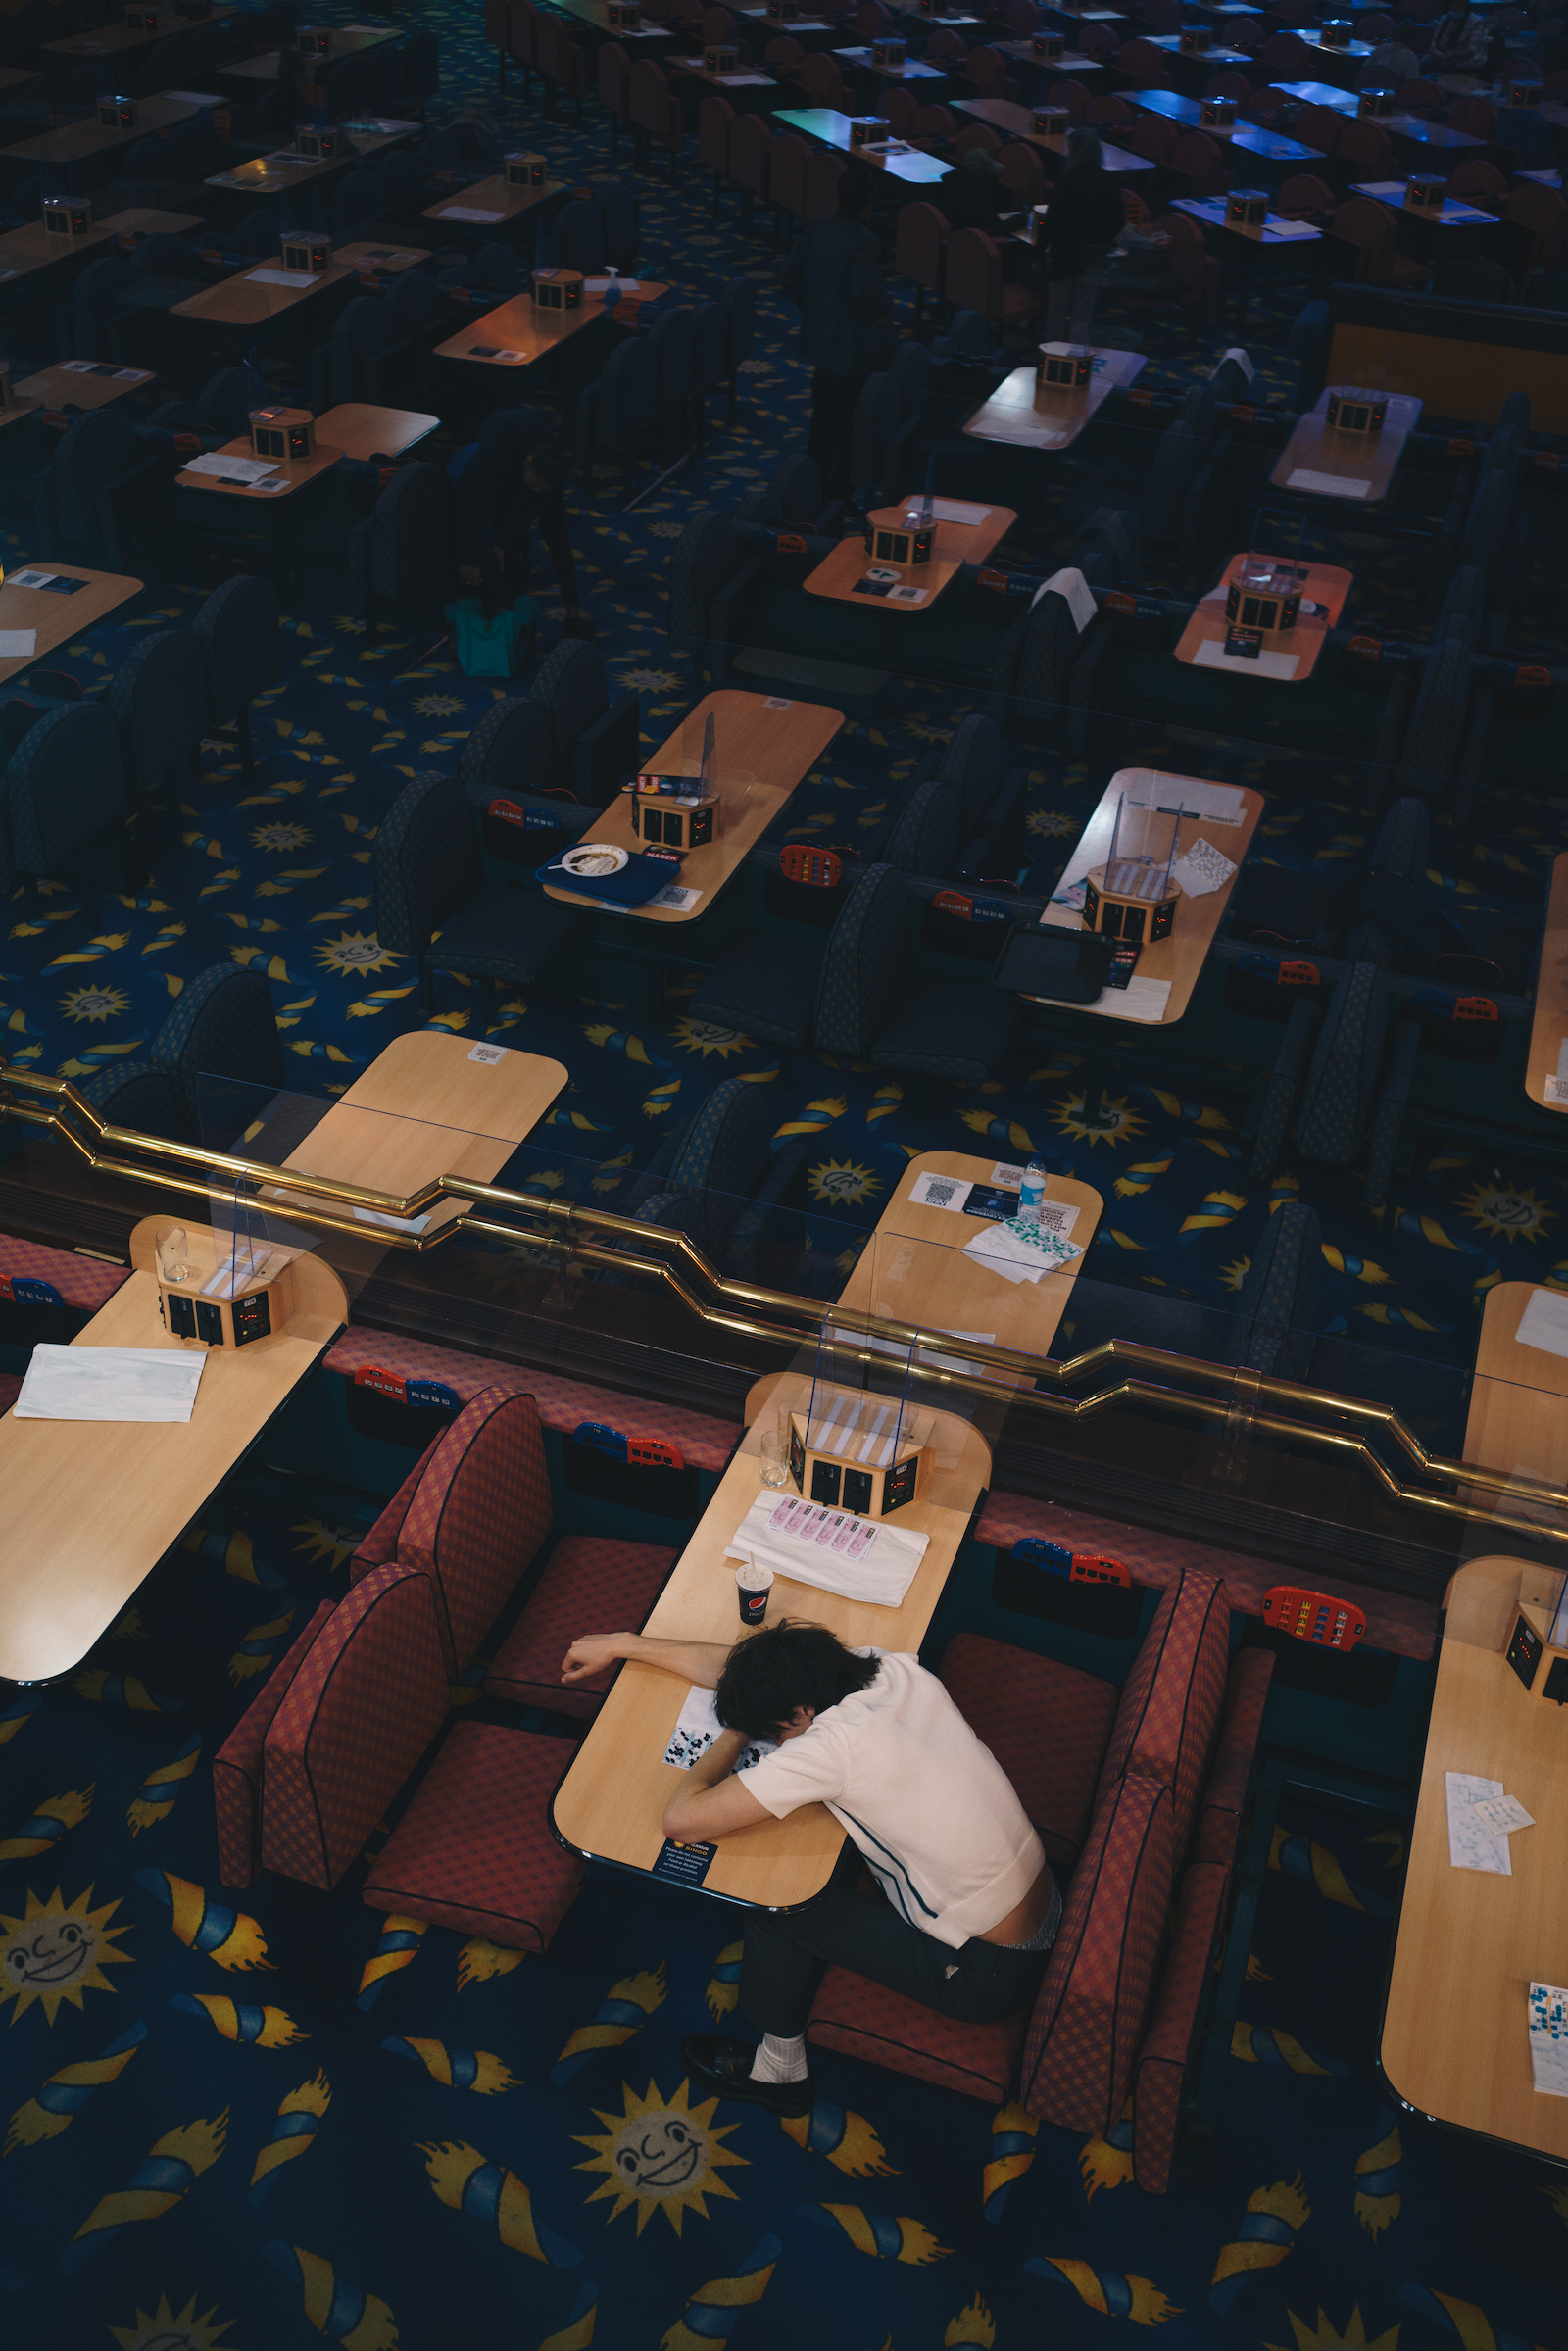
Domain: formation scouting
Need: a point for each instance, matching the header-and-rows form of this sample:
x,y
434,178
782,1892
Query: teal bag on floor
x,y
491,643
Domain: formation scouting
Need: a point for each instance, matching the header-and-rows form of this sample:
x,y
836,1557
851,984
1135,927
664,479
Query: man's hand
x,y
591,1652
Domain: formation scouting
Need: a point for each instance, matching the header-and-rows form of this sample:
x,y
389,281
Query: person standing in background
x,y
1083,220
833,278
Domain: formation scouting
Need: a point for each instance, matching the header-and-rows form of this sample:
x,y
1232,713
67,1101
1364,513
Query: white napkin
x,y
109,1383
814,1546
1022,1252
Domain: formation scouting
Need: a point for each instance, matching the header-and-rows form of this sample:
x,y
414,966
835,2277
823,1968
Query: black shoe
x,y
724,2066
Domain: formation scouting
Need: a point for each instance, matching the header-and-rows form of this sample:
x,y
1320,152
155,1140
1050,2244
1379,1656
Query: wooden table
x,y
275,175
1171,42
247,300
1275,230
1024,414
393,260
493,202
75,383
1414,130
354,431
830,128
25,250
941,1288
80,140
1270,145
764,747
1323,586
1517,1423
1549,1026
1178,960
1070,62
91,1506
517,333
956,543
1017,122
745,77
13,76
348,41
1455,2042
118,41
611,1802
1337,462
55,619
913,68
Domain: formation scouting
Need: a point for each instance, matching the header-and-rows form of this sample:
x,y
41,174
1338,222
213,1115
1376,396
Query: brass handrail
x,y
722,1303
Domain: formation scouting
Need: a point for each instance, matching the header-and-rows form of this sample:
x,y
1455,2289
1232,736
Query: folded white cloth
x,y
1022,1252
860,1558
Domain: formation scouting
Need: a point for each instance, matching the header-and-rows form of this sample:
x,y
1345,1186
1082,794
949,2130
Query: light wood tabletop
x,y
916,1271
1390,193
744,77
830,128
73,383
1517,1423
1549,1026
1289,664
1017,122
24,250
611,1802
1177,959
913,68
1456,2039
392,259
13,76
518,332
288,475
1325,463
91,1506
347,40
274,175
249,299
1174,108
1029,415
356,429
764,747
78,140
115,41
491,201
1272,232
958,542
1205,58
56,618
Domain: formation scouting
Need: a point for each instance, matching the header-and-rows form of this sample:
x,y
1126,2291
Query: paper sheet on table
x,y
1221,804
959,509
1140,999
467,212
881,1571
231,469
932,1191
923,1354
1280,231
1211,655
1502,1815
18,644
1545,1322
1471,1844
396,1224
1022,1252
1327,485
280,277
680,901
1549,2040
109,1383
601,285
696,1729
1202,870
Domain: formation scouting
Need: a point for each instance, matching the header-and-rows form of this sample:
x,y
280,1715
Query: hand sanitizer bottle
x,y
1031,1192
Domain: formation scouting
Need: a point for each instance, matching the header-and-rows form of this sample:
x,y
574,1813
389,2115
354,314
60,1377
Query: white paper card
x,y
696,1729
1071,585
110,1383
231,469
907,595
1471,1844
467,212
1556,1089
1219,804
488,1054
1211,655
1502,1815
778,702
396,1224
858,1558
959,509
1012,1179
29,579
1327,485
18,644
1202,870
1140,1000
932,1191
280,277
1549,2040
1545,1322
679,901
1055,1216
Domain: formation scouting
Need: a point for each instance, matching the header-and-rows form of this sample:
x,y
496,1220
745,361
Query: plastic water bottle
x,y
1032,1192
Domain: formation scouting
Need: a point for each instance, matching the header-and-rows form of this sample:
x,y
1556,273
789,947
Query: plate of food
x,y
592,861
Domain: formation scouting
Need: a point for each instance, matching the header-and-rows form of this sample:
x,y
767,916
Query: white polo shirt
x,y
927,1804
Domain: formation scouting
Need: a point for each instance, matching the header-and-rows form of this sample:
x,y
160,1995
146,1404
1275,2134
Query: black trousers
x,y
786,1954
833,399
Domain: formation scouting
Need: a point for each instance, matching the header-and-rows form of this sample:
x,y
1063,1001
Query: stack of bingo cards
x,y
1549,2040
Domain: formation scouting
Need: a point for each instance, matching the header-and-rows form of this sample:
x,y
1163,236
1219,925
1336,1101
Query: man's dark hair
x,y
855,193
787,1665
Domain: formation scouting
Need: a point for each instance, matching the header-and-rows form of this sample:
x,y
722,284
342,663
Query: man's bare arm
x,y
699,1661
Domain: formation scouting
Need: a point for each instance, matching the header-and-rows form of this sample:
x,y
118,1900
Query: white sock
x,y
780,2060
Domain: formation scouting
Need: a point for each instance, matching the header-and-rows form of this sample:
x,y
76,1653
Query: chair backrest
x,y
1199,157
878,415
1170,1702
425,864
363,1704
1336,1098
1151,137
422,64
1276,1307
648,96
508,748
972,135
1474,179
1367,147
64,786
786,177
822,175
577,239
972,767
863,969
1360,221
1111,109
1544,213
974,272
928,834
987,68
573,687
922,232
900,107
750,152
1145,66
159,696
726,1147
1472,116
241,643
1522,131
822,82
477,1516
613,68
1074,95
796,485
707,553
1302,194
411,528
933,127
783,57
223,1025
619,215
716,117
